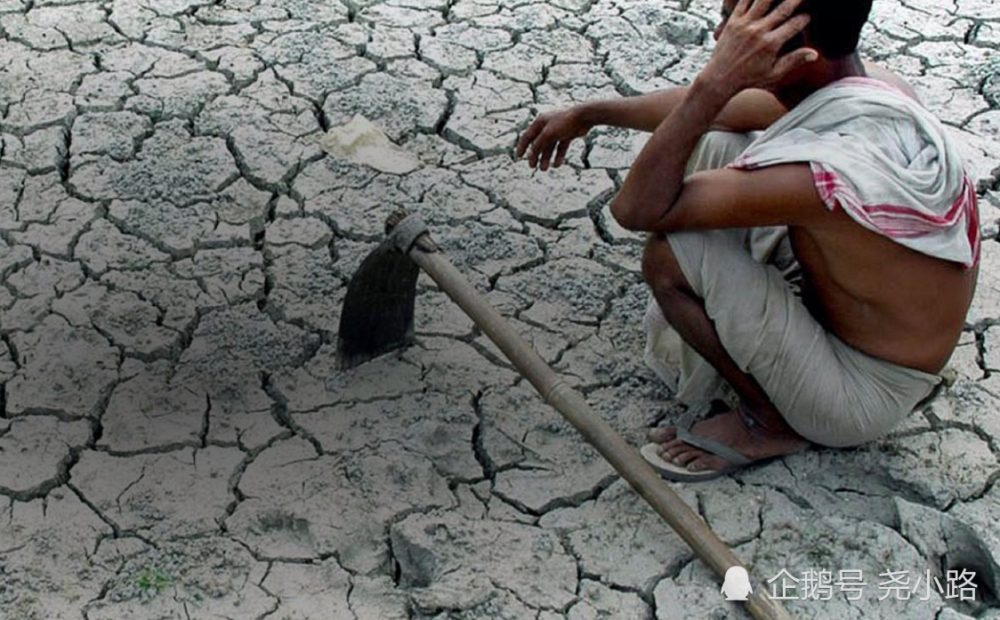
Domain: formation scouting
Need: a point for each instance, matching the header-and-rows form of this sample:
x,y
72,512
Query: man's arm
x,y
552,133
713,199
656,179
750,110
747,56
779,195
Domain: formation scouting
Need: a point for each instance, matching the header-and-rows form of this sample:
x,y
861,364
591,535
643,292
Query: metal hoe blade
x,y
378,312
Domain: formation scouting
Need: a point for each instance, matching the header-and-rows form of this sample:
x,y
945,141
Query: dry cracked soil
x,y
176,440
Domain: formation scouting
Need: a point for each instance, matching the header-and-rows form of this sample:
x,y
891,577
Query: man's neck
x,y
817,75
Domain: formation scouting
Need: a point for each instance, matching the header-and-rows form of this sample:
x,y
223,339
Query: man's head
x,y
834,30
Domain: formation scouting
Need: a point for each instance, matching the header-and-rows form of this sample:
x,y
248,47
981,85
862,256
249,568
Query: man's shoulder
x,y
891,79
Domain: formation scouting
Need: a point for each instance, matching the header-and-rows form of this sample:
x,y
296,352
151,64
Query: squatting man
x,y
814,239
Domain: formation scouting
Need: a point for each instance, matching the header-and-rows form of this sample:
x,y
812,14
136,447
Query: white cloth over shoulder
x,y
884,159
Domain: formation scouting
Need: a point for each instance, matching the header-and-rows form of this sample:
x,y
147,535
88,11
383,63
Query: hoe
x,y
378,317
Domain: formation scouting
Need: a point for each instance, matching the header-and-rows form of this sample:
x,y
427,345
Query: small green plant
x,y
152,581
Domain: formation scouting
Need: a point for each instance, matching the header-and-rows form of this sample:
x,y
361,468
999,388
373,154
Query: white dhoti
x,y
827,391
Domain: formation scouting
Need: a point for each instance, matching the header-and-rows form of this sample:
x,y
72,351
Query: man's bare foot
x,y
728,428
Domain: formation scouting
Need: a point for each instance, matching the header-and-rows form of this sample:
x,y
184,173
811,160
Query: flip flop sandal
x,y
680,473
736,461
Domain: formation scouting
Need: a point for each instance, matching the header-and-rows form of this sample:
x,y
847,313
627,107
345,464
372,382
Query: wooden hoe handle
x,y
623,457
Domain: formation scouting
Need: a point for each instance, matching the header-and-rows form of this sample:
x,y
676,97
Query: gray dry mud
x,y
176,441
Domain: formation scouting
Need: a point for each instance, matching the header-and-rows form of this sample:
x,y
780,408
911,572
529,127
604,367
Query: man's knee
x,y
660,268
718,149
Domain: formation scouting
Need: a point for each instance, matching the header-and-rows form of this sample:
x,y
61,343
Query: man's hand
x,y
748,53
552,133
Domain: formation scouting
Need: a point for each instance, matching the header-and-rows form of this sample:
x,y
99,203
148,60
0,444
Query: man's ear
x,y
798,41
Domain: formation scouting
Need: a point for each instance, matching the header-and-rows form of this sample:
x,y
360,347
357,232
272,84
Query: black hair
x,y
835,28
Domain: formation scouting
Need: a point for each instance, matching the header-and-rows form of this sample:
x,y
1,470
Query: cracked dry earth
x,y
175,439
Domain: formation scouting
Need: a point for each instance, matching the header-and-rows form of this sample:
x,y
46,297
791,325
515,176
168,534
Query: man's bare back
x,y
883,299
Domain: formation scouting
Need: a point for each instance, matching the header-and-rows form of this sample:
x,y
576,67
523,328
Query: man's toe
x,y
687,456
672,448
704,463
663,435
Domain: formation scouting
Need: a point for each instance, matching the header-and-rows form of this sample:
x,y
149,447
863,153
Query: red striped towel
x,y
885,160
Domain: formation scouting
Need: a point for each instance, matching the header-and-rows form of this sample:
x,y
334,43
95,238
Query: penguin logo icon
x,y
737,584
